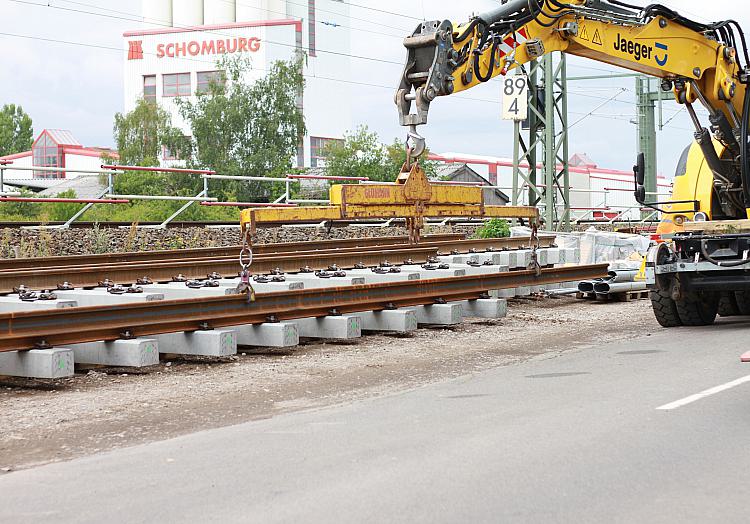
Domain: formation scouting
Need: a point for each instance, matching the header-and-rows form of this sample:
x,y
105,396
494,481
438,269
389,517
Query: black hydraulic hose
x,y
477,65
744,168
468,31
733,263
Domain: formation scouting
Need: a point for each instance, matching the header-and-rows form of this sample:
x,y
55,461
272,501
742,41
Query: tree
x,y
141,134
362,155
16,132
248,128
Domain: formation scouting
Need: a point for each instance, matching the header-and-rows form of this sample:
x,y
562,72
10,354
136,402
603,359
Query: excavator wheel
x,y
698,309
665,309
728,306
743,302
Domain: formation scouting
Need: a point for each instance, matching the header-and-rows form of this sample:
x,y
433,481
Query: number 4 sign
x,y
515,97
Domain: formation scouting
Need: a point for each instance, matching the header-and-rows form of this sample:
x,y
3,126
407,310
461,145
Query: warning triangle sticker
x,y
597,38
584,34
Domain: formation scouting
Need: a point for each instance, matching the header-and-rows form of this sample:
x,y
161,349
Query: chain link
x,y
534,243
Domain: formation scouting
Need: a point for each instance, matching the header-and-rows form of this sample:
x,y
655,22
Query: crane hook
x,y
415,145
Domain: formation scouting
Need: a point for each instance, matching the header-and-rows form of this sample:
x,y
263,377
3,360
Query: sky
x,y
78,85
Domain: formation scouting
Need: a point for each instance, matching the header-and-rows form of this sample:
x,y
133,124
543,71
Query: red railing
x,y
159,170
39,200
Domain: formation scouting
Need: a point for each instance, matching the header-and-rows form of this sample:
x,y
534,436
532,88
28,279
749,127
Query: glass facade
x,y
177,84
47,153
317,148
206,78
149,88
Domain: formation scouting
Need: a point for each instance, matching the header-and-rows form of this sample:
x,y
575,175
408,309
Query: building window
x,y
177,84
207,78
47,154
317,149
149,88
311,17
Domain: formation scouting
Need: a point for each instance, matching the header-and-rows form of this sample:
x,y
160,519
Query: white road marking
x,y
703,394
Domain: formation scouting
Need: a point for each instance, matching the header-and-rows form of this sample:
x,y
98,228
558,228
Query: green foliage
x,y
16,132
239,128
494,228
361,154
141,133
250,129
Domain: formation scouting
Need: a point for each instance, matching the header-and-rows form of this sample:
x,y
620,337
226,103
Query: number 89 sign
x,y
515,98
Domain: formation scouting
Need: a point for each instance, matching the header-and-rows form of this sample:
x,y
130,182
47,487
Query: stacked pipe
x,y
617,281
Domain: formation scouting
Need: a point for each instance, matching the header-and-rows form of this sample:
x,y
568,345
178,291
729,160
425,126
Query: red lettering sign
x,y
135,50
196,48
377,192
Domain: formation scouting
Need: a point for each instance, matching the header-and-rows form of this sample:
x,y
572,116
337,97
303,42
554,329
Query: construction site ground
x,y
104,409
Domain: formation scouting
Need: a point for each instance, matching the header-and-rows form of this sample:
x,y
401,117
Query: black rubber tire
x,y
728,305
698,309
743,302
665,309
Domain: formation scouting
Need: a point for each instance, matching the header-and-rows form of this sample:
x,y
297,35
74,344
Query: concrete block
x,y
502,293
272,335
553,255
427,274
312,282
396,320
178,290
523,291
375,278
136,353
342,327
523,258
485,308
100,297
38,363
482,270
439,314
216,343
570,255
12,303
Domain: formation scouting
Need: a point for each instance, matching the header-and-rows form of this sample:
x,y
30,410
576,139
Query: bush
x,y
495,228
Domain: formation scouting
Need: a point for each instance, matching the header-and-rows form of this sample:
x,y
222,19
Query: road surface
x,y
631,431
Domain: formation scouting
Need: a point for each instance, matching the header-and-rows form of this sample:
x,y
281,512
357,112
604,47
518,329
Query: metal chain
x,y
534,244
246,260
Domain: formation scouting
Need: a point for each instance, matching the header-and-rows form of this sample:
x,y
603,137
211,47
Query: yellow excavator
x,y
704,266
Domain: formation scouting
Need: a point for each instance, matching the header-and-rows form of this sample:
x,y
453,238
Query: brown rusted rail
x,y
164,271
444,243
29,330
213,252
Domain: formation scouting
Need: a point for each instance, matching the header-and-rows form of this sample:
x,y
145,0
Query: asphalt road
x,y
575,438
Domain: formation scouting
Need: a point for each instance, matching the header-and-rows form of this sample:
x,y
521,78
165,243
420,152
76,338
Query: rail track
x,y
185,301
167,266
29,330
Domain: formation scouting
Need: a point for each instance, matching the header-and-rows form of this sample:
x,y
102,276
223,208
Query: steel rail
x,y
211,252
445,243
59,327
165,271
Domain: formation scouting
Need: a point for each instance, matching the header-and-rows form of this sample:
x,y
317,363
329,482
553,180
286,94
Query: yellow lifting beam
x,y
411,197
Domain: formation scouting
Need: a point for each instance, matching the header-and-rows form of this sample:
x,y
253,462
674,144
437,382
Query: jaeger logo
x,y
135,50
641,51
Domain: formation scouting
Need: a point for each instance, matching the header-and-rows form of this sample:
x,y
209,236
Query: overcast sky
x,y
79,87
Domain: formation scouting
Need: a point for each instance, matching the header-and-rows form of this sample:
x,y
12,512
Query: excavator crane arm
x,y
698,62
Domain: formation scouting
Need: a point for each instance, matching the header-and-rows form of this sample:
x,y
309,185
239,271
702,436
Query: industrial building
x,y
175,54
54,148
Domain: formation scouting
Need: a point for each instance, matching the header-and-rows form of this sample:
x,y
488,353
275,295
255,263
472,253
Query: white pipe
x,y
175,198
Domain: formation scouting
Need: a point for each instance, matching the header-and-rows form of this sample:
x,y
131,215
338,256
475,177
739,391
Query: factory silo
x,y
217,12
157,13
187,13
276,9
251,10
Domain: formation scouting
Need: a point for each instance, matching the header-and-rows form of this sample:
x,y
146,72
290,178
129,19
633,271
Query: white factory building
x,y
175,54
